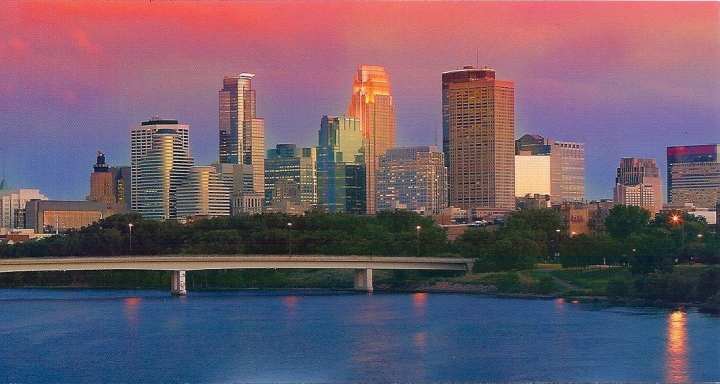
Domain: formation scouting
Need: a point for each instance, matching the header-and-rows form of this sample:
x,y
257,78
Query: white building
x,y
159,173
12,204
141,141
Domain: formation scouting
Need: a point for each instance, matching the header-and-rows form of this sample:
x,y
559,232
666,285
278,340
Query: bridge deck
x,y
202,262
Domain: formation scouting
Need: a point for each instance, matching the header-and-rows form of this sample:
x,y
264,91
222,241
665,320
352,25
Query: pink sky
x,y
627,79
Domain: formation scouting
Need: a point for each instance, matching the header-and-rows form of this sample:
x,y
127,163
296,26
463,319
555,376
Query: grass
x,y
594,280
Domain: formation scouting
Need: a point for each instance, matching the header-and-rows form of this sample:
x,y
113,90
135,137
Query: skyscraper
x,y
694,175
372,103
340,166
479,138
638,183
141,141
242,133
567,165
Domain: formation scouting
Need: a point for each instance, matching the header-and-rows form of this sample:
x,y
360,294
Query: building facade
x,y
242,133
372,104
693,175
532,175
567,165
638,183
203,193
104,188
414,177
160,172
141,142
54,216
341,166
285,163
478,113
12,207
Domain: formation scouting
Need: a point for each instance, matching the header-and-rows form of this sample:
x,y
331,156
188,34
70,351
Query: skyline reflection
x,y
676,350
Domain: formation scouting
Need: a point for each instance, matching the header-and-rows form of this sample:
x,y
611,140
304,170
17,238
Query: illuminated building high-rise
x,y
242,133
372,103
693,175
638,183
141,142
478,114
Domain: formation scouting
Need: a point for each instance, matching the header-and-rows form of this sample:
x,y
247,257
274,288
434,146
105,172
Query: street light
x,y
417,229
130,225
289,225
677,219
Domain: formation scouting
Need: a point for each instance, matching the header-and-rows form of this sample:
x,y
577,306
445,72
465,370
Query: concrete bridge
x,y
178,264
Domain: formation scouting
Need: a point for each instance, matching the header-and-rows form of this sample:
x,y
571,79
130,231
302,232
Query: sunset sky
x,y
626,79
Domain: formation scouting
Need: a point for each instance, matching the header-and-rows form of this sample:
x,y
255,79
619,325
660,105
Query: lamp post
x,y
417,230
130,225
289,225
677,219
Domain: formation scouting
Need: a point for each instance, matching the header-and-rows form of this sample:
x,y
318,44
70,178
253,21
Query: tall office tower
x,y
161,172
478,138
12,207
341,166
694,175
414,178
372,103
638,183
287,162
567,165
141,141
203,193
242,134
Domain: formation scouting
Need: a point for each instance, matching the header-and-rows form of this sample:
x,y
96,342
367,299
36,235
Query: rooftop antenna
x,y
477,57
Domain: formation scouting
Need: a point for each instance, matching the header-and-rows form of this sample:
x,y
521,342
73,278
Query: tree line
x,y
526,238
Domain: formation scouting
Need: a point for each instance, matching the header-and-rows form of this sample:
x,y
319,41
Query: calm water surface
x,y
320,336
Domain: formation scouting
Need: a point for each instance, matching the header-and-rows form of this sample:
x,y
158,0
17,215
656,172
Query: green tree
x,y
624,220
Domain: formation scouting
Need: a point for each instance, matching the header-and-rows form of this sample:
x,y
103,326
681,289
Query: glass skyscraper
x,y
242,133
372,103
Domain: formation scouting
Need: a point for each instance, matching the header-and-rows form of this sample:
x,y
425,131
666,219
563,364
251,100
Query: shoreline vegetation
x,y
548,281
672,259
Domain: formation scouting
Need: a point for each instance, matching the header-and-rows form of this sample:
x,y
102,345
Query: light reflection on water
x,y
677,350
319,336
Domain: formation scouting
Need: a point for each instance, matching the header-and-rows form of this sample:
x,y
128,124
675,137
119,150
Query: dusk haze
x,y
627,79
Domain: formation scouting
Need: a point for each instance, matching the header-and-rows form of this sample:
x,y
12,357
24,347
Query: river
x,y
325,336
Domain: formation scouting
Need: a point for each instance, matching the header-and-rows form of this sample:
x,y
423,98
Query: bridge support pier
x,y
363,280
177,285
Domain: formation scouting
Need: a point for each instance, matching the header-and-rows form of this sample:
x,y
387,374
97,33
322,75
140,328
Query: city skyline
x,y
626,79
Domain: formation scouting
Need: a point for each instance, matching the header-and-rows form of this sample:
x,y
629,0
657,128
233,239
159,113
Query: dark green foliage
x,y
624,220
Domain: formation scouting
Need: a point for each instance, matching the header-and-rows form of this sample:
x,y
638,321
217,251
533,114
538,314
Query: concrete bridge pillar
x,y
363,280
177,285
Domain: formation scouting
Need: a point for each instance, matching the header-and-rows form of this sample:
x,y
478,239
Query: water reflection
x,y
419,301
131,309
676,350
290,304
